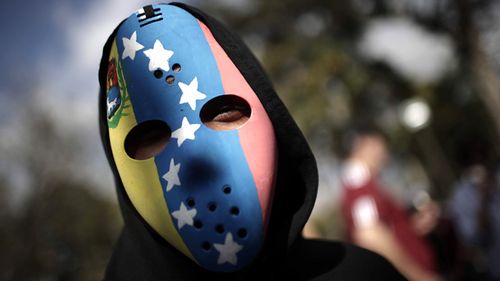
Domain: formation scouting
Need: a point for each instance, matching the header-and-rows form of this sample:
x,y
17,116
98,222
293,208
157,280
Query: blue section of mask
x,y
214,174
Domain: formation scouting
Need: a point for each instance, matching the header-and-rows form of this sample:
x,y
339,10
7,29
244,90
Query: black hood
x,y
141,250
142,254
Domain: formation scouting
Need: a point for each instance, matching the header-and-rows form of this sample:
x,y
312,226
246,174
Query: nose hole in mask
x,y
226,112
147,139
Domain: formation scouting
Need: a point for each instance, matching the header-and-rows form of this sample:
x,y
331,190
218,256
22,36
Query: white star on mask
x,y
158,57
190,93
130,46
172,176
184,216
186,131
228,250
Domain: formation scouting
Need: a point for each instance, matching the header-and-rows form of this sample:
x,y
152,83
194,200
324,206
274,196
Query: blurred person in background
x,y
433,223
373,218
475,208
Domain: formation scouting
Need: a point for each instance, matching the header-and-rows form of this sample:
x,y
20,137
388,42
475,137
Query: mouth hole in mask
x,y
226,112
147,139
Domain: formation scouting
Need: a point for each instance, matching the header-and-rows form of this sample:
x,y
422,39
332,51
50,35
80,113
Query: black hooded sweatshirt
x,y
142,254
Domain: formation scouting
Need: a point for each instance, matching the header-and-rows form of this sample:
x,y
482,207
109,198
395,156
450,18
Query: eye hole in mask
x,y
225,112
147,139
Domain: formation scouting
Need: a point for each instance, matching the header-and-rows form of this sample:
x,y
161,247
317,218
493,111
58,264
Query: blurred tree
x,y
64,233
62,229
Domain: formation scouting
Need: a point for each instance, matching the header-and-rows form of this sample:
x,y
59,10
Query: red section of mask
x,y
257,135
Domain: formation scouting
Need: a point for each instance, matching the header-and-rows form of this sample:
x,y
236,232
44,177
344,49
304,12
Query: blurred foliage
x,y
64,232
61,229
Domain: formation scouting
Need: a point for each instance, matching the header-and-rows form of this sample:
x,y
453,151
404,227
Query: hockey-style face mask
x,y
193,145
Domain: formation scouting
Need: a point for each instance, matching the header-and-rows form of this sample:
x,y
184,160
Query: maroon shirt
x,y
365,202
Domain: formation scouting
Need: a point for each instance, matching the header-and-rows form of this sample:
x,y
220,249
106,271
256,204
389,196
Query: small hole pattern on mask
x,y
176,67
219,228
234,211
226,189
158,74
170,79
242,233
206,246
198,224
212,206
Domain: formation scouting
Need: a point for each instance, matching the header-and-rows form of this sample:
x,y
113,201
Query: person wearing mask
x,y
214,178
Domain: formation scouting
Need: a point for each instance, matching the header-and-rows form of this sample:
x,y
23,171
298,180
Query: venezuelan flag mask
x,y
192,143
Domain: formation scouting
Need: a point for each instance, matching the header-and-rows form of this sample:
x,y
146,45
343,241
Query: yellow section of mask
x,y
140,177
